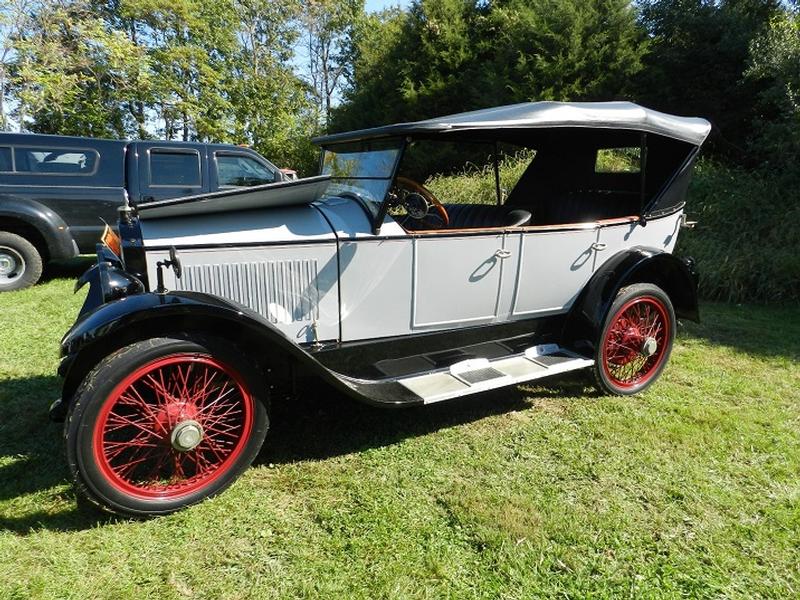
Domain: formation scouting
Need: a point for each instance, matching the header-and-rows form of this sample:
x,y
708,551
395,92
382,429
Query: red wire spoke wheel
x,y
165,423
636,340
172,426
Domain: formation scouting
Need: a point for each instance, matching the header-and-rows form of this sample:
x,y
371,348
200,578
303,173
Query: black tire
x,y
99,439
20,262
641,312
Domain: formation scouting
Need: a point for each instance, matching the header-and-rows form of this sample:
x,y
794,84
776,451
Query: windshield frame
x,y
375,209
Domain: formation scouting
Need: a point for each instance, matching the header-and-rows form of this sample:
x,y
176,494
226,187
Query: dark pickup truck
x,y
57,192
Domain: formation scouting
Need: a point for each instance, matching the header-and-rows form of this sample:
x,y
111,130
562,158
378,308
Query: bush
x,y
747,238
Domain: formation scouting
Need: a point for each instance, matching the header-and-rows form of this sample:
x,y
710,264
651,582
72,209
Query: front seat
x,y
479,216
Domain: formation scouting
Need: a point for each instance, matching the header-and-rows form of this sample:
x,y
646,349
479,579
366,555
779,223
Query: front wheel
x,y
636,340
165,423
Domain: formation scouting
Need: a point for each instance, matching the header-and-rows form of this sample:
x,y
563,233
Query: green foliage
x,y
328,26
775,67
698,54
747,237
70,72
209,70
476,184
273,108
447,56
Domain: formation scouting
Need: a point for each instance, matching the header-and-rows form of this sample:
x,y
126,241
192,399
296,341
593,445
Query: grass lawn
x,y
692,489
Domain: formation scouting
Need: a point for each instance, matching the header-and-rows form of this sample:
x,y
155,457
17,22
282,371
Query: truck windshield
x,y
363,170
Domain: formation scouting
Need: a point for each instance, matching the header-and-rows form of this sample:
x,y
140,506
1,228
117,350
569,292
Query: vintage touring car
x,y
551,253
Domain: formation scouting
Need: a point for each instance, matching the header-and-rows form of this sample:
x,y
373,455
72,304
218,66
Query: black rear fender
x,y
676,276
39,225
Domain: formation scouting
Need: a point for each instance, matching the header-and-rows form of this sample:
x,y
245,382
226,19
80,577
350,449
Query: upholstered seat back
x,y
475,216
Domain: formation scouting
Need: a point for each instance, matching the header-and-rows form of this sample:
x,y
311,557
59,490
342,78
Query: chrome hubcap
x,y
649,347
186,435
11,264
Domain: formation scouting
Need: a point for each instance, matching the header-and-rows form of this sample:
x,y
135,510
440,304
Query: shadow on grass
x,y
320,423
32,460
67,269
766,331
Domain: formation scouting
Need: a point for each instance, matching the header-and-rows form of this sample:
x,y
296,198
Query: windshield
x,y
364,170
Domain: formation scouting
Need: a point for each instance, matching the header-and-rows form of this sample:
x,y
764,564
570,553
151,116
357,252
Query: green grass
x,y
692,489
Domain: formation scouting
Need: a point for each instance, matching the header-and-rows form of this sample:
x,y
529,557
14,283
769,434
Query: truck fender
x,y
676,276
121,322
51,227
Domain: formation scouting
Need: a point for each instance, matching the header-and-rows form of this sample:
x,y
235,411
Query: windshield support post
x,y
383,210
642,176
497,175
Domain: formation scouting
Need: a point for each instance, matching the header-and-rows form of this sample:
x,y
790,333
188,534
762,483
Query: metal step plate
x,y
477,375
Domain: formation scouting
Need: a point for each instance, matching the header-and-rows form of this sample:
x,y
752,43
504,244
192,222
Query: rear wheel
x,y
20,262
636,340
165,423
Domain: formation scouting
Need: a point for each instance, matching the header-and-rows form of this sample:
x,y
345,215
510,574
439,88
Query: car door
x,y
457,279
171,171
554,265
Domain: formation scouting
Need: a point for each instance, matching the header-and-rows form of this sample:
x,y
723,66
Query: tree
x,y
775,68
69,71
328,25
272,107
699,53
452,55
189,44
13,20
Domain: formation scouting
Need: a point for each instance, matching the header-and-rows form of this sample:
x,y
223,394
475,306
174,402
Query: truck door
x,y
171,171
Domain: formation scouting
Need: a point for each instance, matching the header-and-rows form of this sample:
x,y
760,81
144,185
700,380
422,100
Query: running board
x,y
481,374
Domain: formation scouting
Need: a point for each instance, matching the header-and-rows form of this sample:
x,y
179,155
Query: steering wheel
x,y
419,201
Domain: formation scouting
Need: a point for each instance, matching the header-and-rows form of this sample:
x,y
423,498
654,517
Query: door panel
x,y
553,268
660,234
456,280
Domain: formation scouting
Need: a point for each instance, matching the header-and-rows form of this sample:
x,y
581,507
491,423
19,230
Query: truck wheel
x,y
636,340
20,262
165,423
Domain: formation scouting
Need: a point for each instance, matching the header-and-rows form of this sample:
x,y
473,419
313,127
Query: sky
x,y
376,5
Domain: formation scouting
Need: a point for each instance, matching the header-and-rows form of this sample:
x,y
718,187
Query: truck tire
x,y
20,262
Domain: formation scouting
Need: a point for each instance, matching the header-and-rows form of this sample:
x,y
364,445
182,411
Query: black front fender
x,y
676,276
174,311
113,325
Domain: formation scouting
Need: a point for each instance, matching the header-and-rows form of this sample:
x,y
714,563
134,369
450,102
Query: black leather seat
x,y
477,216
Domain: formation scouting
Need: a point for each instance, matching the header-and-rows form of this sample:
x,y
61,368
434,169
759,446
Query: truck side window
x,y
238,170
175,169
55,161
6,166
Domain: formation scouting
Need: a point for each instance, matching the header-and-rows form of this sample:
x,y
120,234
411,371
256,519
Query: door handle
x,y
599,246
502,253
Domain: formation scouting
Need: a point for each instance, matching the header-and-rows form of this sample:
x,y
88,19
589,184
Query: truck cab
x,y
58,192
